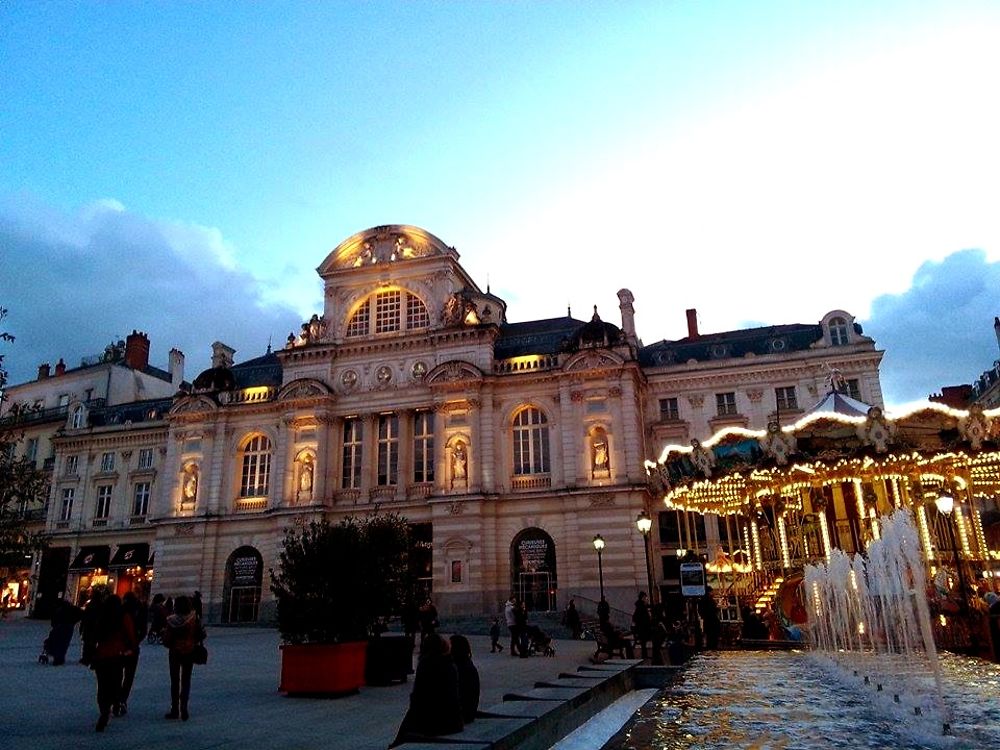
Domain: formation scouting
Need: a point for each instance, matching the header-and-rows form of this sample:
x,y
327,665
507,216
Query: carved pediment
x,y
383,246
193,405
454,371
303,388
593,360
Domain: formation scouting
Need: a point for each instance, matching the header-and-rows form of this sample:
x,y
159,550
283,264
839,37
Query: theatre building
x,y
507,445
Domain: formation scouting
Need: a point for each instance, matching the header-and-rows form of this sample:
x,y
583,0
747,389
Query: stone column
x,y
485,446
570,434
217,470
321,472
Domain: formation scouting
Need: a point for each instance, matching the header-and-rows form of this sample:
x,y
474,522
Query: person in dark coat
x,y
435,707
114,641
88,625
428,615
658,634
138,612
157,618
182,633
65,616
521,627
642,622
468,677
571,619
196,604
709,612
603,611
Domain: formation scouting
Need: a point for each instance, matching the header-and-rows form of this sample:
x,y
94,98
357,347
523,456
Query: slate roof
x,y
149,410
547,336
732,344
263,370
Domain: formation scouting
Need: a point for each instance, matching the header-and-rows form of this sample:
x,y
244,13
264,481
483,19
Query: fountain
x,y
869,622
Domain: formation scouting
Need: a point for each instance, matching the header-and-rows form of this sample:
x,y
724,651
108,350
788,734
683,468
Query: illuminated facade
x,y
508,446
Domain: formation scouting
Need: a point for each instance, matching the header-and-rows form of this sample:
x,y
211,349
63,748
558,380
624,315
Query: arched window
x,y
531,442
838,332
78,417
256,467
388,312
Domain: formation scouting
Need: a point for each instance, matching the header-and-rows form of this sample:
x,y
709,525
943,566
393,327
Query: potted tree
x,y
333,585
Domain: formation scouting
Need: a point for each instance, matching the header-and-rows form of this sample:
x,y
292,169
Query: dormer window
x,y
78,417
388,312
839,332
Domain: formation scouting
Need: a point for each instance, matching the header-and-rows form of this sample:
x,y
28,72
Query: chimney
x,y
625,300
176,359
692,316
43,371
60,367
996,329
137,350
222,355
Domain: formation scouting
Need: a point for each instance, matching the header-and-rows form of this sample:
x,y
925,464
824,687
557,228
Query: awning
x,y
130,555
89,558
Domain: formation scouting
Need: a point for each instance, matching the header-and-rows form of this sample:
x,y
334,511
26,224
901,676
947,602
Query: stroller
x,y
538,642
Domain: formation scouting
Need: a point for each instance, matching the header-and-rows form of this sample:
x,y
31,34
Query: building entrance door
x,y
244,602
536,592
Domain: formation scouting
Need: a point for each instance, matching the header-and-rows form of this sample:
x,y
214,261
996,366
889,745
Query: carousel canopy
x,y
839,440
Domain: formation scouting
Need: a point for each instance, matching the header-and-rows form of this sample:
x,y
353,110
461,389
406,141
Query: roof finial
x,y
268,344
596,316
569,311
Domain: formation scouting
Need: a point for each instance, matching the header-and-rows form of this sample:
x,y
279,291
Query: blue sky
x,y
182,168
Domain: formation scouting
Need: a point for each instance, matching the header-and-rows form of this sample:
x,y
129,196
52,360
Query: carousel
x,y
787,496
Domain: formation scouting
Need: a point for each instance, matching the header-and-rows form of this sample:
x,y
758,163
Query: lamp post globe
x,y
644,523
599,546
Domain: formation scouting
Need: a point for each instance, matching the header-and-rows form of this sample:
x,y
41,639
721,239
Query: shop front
x,y
90,570
131,570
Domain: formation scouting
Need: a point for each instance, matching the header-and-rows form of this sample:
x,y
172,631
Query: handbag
x,y
200,654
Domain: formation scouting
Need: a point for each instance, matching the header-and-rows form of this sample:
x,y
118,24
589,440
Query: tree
x,y
22,485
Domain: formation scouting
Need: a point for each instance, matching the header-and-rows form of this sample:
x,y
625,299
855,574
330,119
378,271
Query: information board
x,y
692,579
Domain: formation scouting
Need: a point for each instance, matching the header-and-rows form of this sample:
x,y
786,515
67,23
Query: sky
x,y
182,168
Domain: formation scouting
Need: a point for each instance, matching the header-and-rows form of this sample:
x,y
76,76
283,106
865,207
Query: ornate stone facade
x,y
507,445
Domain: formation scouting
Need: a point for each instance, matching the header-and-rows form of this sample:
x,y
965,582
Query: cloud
x,y
73,282
939,331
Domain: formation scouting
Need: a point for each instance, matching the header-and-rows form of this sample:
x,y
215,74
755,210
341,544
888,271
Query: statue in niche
x,y
600,455
190,484
459,462
305,477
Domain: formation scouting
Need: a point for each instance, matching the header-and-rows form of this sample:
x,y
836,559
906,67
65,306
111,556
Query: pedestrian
x,y
114,641
603,611
138,612
709,611
435,707
196,603
495,645
88,624
65,616
508,613
157,618
411,618
658,634
183,632
521,624
571,619
641,622
468,677
428,616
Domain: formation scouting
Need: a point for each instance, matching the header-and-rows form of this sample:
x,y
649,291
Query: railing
x,y
347,496
98,522
62,524
383,493
588,613
526,364
49,464
250,504
136,520
416,491
532,482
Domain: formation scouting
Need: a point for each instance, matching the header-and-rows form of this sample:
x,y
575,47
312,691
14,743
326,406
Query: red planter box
x,y
322,669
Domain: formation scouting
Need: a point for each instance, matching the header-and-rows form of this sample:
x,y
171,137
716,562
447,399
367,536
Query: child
x,y
495,644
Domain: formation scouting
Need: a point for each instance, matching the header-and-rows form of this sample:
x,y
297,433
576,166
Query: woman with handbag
x,y
183,636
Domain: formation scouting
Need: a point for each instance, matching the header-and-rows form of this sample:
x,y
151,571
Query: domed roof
x,y
596,333
214,379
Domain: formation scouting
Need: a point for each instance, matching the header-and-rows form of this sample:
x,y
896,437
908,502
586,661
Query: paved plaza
x,y
234,699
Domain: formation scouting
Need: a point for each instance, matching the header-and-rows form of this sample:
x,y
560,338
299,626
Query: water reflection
x,y
772,700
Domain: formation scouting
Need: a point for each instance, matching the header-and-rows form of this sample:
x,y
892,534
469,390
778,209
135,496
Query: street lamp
x,y
945,505
599,546
644,523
